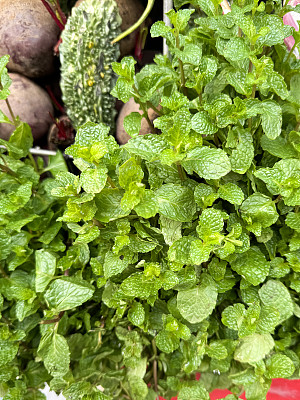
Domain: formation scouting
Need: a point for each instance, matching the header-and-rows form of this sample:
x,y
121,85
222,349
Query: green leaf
x,y
179,250
45,266
252,265
271,118
193,393
13,201
136,314
293,221
254,348
146,146
22,139
231,193
125,67
217,350
243,153
176,202
77,211
4,119
202,124
66,293
130,172
8,351
4,78
234,49
278,147
283,179
198,303
108,204
170,229
279,366
54,351
148,206
93,180
259,208
138,388
132,123
114,264
207,163
180,18
56,164
167,341
205,195
275,294
137,285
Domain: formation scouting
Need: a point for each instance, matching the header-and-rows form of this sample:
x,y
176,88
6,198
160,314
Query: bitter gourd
x,y
86,54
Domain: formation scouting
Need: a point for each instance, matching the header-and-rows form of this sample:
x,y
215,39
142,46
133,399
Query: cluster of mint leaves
x,y
177,253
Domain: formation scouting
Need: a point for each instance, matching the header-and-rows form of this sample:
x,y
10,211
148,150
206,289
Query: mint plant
x,y
181,248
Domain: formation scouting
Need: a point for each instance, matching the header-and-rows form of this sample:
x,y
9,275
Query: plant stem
x,y
182,77
109,180
145,115
54,320
53,15
33,162
152,106
155,375
11,113
291,51
297,126
7,170
137,24
180,171
3,273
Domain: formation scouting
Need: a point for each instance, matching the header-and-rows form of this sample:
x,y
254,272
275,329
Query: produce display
x,y
131,270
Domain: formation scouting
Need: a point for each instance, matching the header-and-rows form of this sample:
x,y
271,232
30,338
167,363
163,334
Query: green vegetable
x,y
86,54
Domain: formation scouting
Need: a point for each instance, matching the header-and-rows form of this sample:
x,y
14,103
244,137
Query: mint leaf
x,y
132,123
147,146
198,303
93,180
253,348
22,139
54,351
252,265
275,294
279,366
202,124
66,293
231,193
271,118
176,202
207,163
45,265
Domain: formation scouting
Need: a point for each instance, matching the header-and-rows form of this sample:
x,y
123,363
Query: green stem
x,y
7,170
33,162
291,51
152,106
182,77
181,172
109,180
137,24
297,126
3,273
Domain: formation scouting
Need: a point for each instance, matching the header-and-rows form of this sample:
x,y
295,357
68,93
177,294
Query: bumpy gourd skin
x,y
86,54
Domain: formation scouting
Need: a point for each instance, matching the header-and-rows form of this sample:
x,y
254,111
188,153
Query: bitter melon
x,y
86,54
